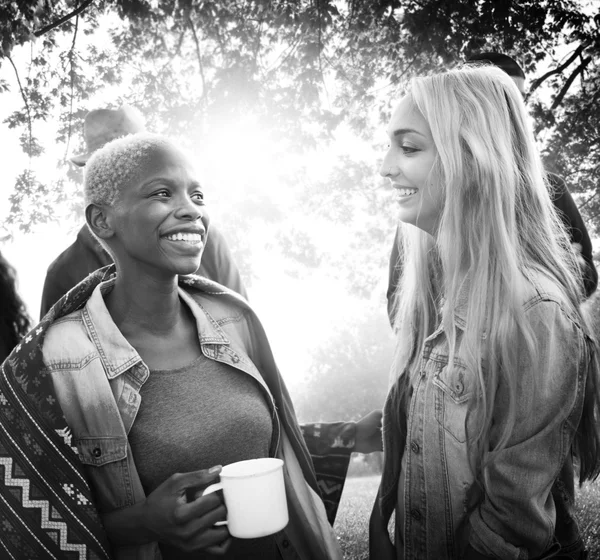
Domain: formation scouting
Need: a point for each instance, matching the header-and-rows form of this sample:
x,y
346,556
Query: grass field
x,y
352,519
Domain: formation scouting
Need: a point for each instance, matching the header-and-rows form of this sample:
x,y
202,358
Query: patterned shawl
x,y
46,506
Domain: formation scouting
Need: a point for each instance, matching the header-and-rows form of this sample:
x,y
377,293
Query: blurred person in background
x,y
14,320
86,255
561,197
495,385
143,380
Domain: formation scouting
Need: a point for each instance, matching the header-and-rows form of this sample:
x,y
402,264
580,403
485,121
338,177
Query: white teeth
x,y
193,238
407,192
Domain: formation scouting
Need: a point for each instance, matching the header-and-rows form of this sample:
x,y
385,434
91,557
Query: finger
x,y
374,416
196,479
195,493
199,507
220,549
199,518
213,537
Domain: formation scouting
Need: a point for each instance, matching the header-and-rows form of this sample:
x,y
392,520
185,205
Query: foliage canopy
x,y
302,68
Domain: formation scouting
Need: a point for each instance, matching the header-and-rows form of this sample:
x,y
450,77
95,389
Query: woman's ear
x,y
99,220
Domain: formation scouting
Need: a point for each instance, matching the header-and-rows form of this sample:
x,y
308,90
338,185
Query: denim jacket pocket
x,y
105,463
455,389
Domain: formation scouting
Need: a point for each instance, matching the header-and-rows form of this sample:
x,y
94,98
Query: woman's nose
x,y
388,170
189,210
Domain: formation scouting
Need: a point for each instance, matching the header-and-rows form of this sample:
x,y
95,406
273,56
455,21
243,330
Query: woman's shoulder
x,y
540,286
66,340
220,302
546,299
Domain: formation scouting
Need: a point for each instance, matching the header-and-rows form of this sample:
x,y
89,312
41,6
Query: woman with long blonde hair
x,y
495,381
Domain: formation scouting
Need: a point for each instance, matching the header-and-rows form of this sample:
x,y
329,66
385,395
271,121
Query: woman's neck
x,y
145,305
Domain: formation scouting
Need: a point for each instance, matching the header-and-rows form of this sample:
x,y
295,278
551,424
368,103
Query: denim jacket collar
x,y
209,331
116,354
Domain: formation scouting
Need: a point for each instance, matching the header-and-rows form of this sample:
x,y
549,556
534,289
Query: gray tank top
x,y
195,417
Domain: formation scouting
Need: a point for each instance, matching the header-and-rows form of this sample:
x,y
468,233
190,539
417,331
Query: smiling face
x,y
408,164
160,223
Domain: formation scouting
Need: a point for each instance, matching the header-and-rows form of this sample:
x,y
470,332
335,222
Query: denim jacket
x,y
97,376
525,508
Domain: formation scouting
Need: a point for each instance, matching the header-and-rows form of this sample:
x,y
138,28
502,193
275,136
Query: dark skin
x,y
141,233
169,341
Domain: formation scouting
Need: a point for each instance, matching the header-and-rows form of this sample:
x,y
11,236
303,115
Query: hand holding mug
x,y
171,519
254,493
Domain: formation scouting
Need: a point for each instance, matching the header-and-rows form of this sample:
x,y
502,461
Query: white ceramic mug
x,y
254,495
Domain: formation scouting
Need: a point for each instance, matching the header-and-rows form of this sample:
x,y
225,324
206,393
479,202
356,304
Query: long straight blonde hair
x,y
497,227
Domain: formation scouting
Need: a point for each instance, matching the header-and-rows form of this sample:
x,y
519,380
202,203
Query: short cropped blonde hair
x,y
118,163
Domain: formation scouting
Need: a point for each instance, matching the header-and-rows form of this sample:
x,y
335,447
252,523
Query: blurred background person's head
x,y
504,62
103,125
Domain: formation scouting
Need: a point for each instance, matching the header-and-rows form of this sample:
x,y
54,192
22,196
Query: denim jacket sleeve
x,y
517,504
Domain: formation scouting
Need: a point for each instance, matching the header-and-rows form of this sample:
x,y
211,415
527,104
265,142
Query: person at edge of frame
x,y
14,319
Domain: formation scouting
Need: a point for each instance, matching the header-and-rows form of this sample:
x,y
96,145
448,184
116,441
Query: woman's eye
x,y
162,194
409,149
198,197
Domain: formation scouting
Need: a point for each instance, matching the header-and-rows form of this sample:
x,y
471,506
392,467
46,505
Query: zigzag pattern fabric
x,y
46,507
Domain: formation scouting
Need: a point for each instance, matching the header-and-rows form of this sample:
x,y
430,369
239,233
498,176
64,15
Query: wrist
x,y
130,525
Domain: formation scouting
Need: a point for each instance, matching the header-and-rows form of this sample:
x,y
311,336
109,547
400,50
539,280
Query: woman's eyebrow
x,y
169,183
402,131
160,180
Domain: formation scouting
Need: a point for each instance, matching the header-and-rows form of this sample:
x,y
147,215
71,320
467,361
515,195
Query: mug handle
x,y
209,490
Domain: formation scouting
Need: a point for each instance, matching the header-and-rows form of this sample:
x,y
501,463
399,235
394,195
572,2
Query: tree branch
x,y
199,57
63,19
26,105
320,47
569,81
538,82
72,72
177,50
586,202
290,50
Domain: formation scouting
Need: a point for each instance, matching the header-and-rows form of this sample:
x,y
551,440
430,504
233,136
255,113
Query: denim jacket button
x,y
415,447
96,452
416,514
235,358
285,543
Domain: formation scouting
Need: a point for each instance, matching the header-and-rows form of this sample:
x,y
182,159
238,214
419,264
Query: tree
x,y
303,69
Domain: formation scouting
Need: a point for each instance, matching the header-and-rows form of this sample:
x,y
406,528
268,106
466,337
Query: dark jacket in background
x,y
569,214
86,255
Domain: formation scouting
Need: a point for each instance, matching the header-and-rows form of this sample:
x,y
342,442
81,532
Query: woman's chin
x,y
190,269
